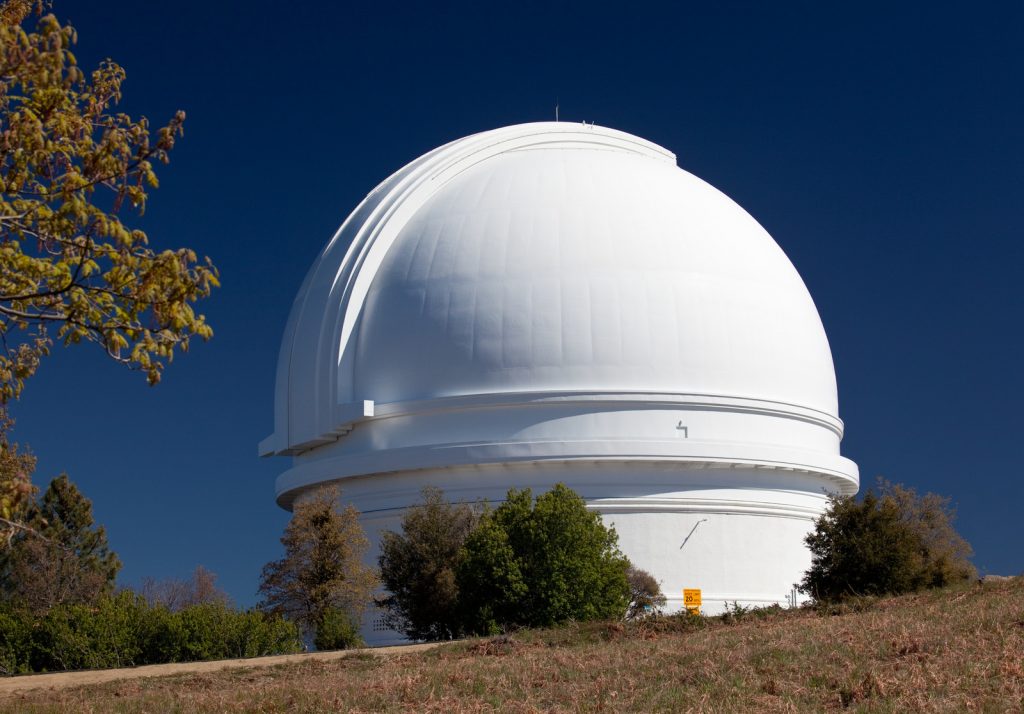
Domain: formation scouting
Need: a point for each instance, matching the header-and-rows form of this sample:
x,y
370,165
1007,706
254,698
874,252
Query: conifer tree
x,y
63,557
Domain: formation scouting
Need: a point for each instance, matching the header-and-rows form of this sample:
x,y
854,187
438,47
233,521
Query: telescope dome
x,y
561,302
581,269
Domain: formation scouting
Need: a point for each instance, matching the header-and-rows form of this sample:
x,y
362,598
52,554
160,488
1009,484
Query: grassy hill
x,y
954,650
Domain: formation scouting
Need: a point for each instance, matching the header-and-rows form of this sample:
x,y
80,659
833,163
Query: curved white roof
x,y
588,270
546,258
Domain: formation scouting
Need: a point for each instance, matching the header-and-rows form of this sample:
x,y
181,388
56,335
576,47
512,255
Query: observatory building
x,y
559,302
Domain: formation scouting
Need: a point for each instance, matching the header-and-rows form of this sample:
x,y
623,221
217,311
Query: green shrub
x,y
257,634
645,596
108,634
123,630
215,631
15,641
204,631
536,564
158,636
891,542
65,639
337,631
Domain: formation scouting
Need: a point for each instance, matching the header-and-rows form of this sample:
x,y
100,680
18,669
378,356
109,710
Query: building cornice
x,y
838,472
347,415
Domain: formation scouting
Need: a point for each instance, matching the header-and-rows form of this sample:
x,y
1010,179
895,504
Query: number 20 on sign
x,y
691,600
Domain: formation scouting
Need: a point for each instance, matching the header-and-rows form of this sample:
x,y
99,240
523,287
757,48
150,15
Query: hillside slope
x,y
955,650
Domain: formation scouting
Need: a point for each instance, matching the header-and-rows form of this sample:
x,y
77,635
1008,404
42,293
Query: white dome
x,y
546,258
588,269
559,302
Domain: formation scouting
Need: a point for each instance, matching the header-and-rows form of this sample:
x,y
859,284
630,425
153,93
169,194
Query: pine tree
x,y
64,557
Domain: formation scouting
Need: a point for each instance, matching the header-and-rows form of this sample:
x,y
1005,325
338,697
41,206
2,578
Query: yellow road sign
x,y
691,600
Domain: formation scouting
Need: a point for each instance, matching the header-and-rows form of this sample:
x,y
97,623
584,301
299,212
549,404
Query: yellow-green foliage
x,y
70,269
16,489
337,630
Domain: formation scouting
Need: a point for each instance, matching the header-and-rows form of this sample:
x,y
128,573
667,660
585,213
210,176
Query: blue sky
x,y
880,144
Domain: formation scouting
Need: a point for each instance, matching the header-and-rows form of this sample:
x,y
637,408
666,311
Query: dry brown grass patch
x,y
952,651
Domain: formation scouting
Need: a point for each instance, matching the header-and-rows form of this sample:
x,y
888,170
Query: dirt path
x,y
62,680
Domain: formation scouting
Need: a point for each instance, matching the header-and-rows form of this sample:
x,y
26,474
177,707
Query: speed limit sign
x,y
691,600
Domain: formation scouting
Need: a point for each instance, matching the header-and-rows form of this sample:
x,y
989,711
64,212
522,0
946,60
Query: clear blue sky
x,y
880,144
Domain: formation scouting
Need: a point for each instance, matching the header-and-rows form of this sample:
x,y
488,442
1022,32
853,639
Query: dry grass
x,y
956,650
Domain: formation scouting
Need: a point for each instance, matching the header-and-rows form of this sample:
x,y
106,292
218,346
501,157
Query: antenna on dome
x,y
556,108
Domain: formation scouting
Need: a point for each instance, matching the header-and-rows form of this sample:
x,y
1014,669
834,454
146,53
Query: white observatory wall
x,y
747,546
749,559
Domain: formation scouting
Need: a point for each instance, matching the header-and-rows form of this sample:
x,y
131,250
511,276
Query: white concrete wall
x,y
747,546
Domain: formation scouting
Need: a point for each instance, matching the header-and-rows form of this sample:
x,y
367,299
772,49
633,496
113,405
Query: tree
x,y
70,269
537,564
418,567
890,542
322,570
945,553
645,596
14,12
16,489
64,558
176,594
